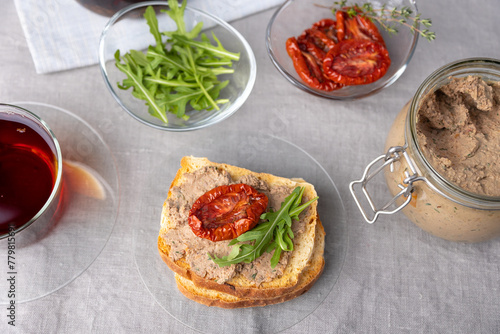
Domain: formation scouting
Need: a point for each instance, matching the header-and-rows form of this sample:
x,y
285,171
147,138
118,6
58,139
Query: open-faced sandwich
x,y
237,238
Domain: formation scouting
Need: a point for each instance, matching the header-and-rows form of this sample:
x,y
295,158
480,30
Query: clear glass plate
x,y
49,257
257,152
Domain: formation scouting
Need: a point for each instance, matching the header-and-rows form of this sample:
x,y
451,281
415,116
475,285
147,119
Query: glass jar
x,y
429,200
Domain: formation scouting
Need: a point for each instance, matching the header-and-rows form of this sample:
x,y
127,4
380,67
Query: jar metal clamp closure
x,y
394,154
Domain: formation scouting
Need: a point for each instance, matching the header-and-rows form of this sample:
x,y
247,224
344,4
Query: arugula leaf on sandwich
x,y
275,234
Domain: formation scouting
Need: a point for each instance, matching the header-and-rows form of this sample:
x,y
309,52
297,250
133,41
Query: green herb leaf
x,y
152,21
216,50
273,235
134,74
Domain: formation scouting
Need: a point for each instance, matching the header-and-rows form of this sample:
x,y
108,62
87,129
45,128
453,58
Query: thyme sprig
x,y
389,18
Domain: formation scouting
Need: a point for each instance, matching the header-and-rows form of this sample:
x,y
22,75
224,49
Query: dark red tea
x,y
27,170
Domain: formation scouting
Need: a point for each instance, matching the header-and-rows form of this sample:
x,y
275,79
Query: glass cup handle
x,y
394,154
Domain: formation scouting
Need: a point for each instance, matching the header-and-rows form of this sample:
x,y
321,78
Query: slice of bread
x,y
240,286
216,298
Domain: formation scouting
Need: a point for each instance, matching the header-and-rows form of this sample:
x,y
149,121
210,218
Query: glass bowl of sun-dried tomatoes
x,y
342,50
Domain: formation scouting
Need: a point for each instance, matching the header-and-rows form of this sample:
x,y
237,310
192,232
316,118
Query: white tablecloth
x,y
395,279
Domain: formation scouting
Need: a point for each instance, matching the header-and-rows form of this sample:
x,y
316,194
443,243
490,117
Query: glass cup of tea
x,y
30,170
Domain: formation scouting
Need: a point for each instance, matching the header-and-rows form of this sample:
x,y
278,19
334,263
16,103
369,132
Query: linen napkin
x,y
62,34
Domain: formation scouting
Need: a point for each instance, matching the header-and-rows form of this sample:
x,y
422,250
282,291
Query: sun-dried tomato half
x,y
307,45
319,38
356,62
308,68
362,27
340,24
324,23
226,212
328,27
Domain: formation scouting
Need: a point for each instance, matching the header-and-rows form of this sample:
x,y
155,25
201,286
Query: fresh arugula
x,y
274,234
180,71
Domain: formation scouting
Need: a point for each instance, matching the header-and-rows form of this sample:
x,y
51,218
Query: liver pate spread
x,y
458,129
184,243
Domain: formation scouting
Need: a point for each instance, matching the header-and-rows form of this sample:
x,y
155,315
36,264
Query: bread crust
x,y
282,288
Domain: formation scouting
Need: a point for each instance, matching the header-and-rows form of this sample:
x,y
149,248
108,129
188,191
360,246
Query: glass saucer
x,y
260,153
49,257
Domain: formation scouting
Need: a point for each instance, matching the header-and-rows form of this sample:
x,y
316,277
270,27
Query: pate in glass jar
x,y
442,164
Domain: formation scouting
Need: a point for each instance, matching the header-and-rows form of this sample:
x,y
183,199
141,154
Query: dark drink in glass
x,y
29,168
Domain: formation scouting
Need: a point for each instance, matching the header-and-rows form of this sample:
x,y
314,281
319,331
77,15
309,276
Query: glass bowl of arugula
x,y
343,56
173,67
